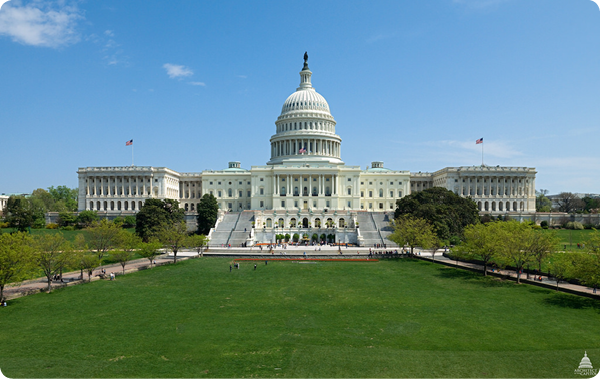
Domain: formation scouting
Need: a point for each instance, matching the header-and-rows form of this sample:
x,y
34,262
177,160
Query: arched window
x,y
192,207
269,223
91,205
118,205
126,205
479,205
98,205
186,207
230,192
293,223
112,205
487,206
283,190
133,205
281,223
342,222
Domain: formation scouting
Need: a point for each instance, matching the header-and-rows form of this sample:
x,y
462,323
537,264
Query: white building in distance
x,y
305,182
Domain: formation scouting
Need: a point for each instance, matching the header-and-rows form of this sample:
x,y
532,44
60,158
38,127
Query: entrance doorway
x,y
305,222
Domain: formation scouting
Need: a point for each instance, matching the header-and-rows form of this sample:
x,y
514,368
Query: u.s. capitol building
x,y
305,184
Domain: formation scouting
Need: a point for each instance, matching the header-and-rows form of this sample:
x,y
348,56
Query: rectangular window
x,y
262,203
249,194
282,203
241,194
349,179
219,193
296,203
230,205
349,191
349,205
399,193
370,205
261,179
327,203
211,183
380,205
262,191
362,193
370,193
391,193
211,192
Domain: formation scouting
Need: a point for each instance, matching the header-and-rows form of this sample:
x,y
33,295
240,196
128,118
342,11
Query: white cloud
x,y
109,33
40,23
198,84
177,71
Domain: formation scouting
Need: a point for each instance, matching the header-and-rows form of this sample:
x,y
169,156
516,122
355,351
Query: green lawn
x,y
404,318
571,238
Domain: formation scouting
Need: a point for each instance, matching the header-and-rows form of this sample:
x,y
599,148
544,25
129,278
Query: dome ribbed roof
x,y
305,99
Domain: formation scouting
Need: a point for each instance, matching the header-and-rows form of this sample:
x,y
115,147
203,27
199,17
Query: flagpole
x,y
482,153
132,155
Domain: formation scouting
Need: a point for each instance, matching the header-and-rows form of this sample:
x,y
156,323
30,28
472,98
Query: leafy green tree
x,y
562,266
541,246
129,222
52,252
413,231
89,262
38,212
208,210
446,211
591,204
16,259
45,197
515,244
66,219
18,213
86,218
154,215
542,203
126,243
174,237
103,236
482,241
64,197
197,242
150,250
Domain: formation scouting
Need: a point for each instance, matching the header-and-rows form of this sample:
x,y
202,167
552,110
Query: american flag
x,y
129,143
303,150
479,141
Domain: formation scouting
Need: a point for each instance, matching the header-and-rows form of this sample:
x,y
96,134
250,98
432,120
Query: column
x,y
129,184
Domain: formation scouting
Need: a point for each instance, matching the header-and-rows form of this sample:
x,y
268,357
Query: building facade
x,y
305,180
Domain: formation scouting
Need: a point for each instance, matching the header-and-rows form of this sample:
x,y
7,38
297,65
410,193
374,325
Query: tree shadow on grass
x,y
566,300
472,277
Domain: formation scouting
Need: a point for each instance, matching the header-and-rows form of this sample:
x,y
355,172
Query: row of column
x,y
312,146
499,188
104,186
321,184
307,125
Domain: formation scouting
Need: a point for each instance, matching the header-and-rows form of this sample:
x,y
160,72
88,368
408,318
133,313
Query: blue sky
x,y
196,84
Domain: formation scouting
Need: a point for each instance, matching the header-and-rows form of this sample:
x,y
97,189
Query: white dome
x,y
303,100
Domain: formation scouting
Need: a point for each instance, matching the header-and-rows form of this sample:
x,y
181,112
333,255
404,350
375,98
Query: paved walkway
x,y
546,282
71,278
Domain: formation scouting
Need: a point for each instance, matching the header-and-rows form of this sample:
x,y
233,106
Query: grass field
x,y
570,238
405,318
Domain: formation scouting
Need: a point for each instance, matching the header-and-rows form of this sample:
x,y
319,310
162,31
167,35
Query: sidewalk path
x,y
546,282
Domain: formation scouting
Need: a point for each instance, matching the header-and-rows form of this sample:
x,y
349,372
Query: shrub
x,y
296,237
3,225
544,224
287,237
315,237
51,226
574,225
589,226
68,228
129,222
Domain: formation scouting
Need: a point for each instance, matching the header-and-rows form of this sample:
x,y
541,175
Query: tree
x,y
18,213
89,262
15,259
514,246
482,241
208,210
86,218
197,242
588,264
542,203
446,211
412,231
103,236
52,252
156,213
64,197
66,218
541,245
569,202
174,237
150,250
561,267
127,243
129,222
592,204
